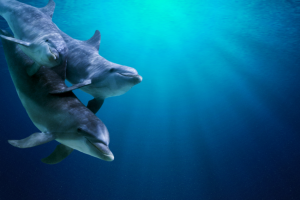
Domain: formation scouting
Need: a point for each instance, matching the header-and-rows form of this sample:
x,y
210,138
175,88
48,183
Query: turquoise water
x,y
215,117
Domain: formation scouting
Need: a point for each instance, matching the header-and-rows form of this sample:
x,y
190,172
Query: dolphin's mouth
x,y
55,56
129,75
108,156
137,78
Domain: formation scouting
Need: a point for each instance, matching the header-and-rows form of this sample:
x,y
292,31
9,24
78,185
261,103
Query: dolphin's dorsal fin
x,y
49,8
95,40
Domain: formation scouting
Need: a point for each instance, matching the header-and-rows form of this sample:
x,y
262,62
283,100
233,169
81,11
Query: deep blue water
x,y
216,117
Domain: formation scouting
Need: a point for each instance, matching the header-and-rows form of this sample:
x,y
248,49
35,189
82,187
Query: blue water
x,y
216,117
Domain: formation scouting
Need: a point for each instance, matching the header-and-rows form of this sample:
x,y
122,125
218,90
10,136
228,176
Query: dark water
x,y
216,117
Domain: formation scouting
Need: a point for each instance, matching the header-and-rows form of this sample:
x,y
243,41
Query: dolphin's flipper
x,y
95,40
33,69
21,42
95,104
33,140
49,8
61,152
73,87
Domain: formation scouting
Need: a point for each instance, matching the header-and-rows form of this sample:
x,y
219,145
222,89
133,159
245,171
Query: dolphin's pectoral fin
x,y
33,140
95,104
7,36
49,8
61,152
12,39
33,69
95,40
73,87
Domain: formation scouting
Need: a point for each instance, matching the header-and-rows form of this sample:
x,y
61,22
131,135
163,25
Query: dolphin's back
x,y
83,61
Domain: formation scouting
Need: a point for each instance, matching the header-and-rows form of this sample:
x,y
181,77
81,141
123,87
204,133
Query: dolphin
x,y
61,117
37,36
107,79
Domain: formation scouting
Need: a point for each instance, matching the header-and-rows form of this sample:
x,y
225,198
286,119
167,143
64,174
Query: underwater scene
x,y
194,99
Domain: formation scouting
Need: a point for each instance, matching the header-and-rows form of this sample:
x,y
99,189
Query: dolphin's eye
x,y
79,129
112,70
46,40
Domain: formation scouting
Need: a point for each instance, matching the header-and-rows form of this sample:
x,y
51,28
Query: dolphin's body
x,y
107,79
59,117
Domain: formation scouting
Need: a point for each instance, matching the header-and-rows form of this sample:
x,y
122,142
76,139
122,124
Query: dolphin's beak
x,y
54,54
105,153
136,77
140,78
52,57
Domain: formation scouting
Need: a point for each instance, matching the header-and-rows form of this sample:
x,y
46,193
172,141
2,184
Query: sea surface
x,y
216,117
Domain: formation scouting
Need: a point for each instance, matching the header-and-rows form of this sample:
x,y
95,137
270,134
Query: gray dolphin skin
x,y
107,79
37,36
60,117
35,32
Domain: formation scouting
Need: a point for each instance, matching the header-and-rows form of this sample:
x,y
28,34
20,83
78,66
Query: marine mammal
x,y
107,78
37,36
59,117
35,32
